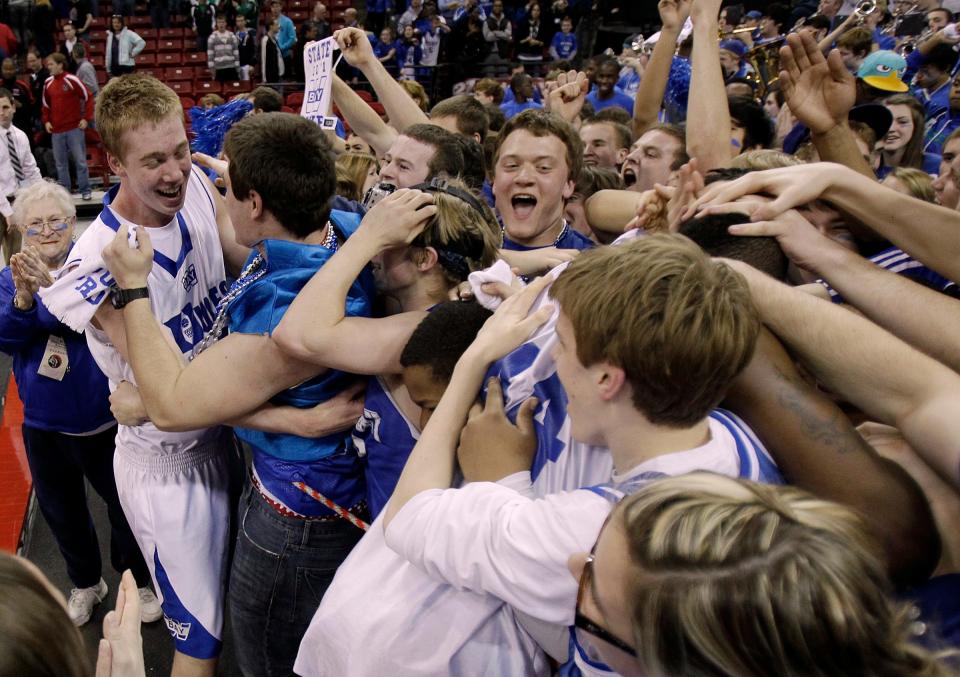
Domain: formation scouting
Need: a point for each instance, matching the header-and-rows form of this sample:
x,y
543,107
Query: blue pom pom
x,y
678,90
211,126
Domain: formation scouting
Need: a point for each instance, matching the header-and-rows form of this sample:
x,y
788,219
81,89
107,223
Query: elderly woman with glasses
x,y
68,428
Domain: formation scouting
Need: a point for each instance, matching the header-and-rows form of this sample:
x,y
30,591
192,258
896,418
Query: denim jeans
x,y
68,145
281,568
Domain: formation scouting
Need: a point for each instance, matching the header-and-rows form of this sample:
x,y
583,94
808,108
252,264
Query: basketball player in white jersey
x,y
173,485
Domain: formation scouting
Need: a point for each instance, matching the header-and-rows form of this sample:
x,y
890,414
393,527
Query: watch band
x,y
121,297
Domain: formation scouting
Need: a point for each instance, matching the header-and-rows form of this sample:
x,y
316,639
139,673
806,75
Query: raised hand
x,y
568,97
673,14
803,244
30,273
491,447
512,323
355,47
130,266
398,218
819,91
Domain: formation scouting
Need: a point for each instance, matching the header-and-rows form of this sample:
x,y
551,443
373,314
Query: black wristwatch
x,y
121,297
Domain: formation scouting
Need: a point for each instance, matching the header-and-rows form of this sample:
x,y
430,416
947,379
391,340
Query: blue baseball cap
x,y
734,46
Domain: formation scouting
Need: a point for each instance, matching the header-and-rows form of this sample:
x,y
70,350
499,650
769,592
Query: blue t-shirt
x,y
512,108
328,464
564,44
381,49
618,98
939,130
569,239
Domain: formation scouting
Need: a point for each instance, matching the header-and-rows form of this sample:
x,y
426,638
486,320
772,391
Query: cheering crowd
x,y
648,368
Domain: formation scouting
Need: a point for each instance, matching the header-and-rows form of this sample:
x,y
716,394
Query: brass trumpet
x,y
863,10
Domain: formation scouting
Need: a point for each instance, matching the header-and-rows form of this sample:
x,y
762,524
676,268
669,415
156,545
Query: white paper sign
x,y
318,66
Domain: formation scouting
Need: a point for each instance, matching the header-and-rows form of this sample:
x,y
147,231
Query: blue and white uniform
x,y
898,261
173,485
384,438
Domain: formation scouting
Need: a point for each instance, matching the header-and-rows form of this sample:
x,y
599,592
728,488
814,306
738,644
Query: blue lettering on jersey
x,y
190,278
192,322
92,288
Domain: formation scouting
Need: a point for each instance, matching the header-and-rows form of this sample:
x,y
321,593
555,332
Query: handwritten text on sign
x,y
317,65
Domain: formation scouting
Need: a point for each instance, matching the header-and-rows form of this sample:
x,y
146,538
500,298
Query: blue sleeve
x,y
914,62
288,35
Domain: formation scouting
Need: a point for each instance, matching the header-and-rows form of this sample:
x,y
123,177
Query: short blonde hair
x,y
732,577
130,101
758,160
917,181
679,324
41,191
417,93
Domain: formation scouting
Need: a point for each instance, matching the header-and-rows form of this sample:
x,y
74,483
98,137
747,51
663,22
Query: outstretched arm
x,y
877,372
401,109
708,116
362,119
646,106
315,327
817,449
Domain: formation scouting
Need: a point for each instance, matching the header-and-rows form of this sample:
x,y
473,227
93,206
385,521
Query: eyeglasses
x,y
584,624
56,225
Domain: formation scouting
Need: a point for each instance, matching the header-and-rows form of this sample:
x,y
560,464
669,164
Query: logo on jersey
x,y
194,321
190,278
92,288
180,631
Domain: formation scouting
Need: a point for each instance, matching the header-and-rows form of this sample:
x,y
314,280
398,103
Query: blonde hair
x,y
917,181
758,160
352,170
417,93
458,228
738,578
679,324
130,101
41,191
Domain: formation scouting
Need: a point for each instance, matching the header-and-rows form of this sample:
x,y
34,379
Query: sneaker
x,y
82,600
87,195
150,610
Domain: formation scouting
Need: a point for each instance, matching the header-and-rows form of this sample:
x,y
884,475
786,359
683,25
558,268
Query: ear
x,y
610,381
255,205
622,155
568,189
115,165
427,260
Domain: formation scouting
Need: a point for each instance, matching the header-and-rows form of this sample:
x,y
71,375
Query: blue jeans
x,y
281,568
68,145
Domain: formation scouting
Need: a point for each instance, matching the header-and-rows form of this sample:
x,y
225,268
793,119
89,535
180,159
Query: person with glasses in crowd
x,y
68,428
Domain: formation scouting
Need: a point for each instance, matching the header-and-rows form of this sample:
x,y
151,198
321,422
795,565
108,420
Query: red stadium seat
x,y
178,73
201,87
96,48
169,58
172,34
298,16
365,95
287,109
99,22
150,46
169,45
300,4
146,60
97,60
182,87
98,35
236,87
294,99
97,164
194,58
139,22
155,72
101,77
148,33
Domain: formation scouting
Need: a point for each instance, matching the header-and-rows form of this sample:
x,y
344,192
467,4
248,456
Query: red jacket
x,y
8,41
66,101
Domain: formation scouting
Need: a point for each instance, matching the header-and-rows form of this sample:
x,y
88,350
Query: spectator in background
x,y
308,34
37,75
409,53
606,94
19,88
209,101
933,79
251,10
123,46
66,45
67,110
203,15
159,13
377,12
430,41
223,53
411,15
80,16
529,36
43,22
17,171
123,7
416,92
563,47
85,70
854,45
522,86
8,41
385,49
903,144
271,58
321,17
18,14
474,49
498,33
488,91
356,174
247,46
287,37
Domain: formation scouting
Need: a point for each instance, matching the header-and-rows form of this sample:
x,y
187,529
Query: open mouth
x,y
523,204
629,177
171,193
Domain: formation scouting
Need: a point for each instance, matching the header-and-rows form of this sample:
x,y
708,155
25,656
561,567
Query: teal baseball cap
x,y
884,70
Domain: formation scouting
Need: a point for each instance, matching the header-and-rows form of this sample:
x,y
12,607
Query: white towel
x,y
83,282
498,272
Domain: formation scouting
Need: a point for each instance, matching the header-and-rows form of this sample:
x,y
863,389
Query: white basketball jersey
x,y
186,284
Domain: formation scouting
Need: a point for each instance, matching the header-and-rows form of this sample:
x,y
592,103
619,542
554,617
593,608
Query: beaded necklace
x,y
253,272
